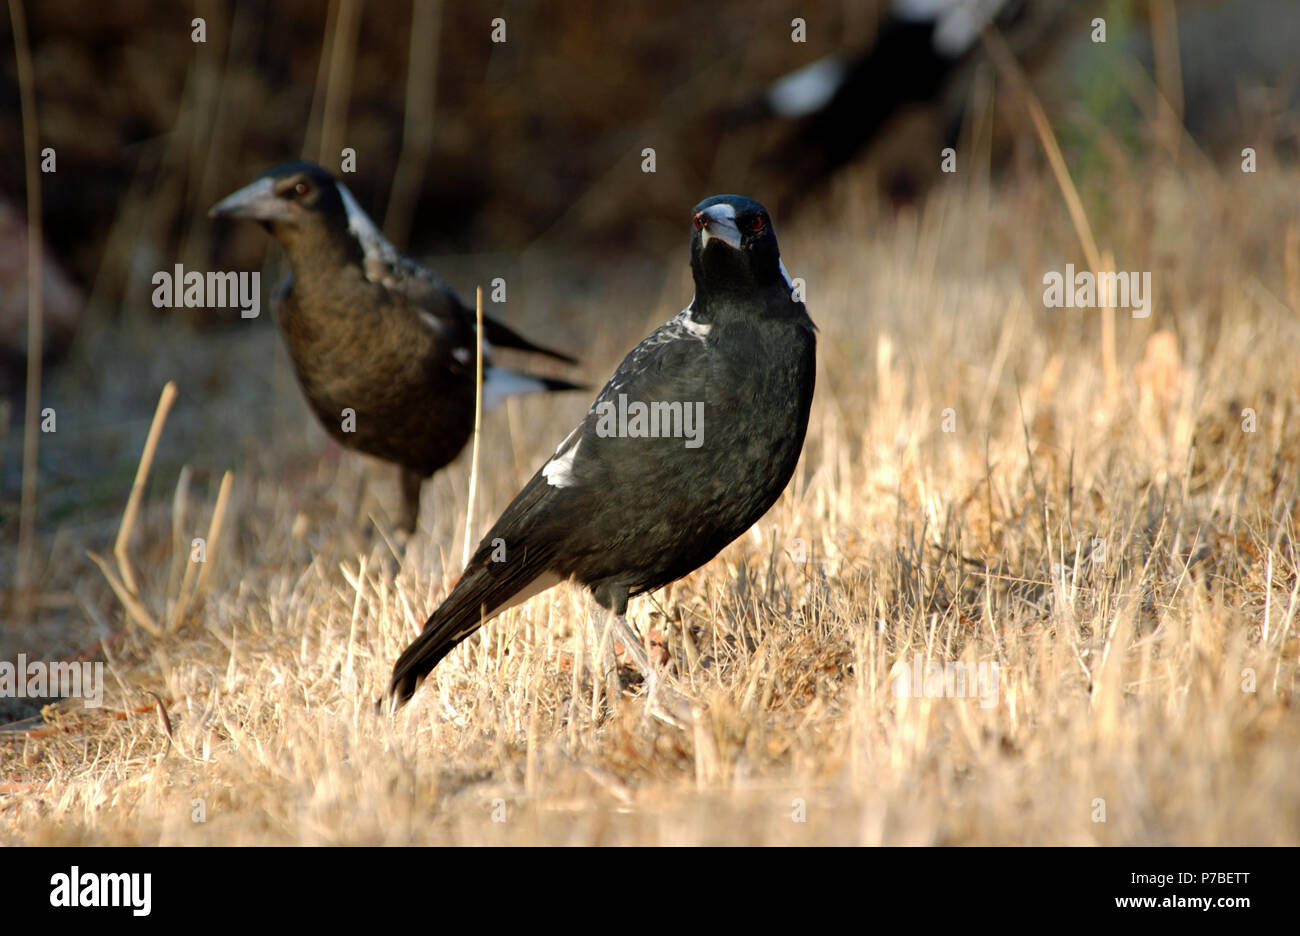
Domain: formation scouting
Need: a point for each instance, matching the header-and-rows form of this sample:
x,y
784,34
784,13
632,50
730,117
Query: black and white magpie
x,y
839,103
384,349
689,443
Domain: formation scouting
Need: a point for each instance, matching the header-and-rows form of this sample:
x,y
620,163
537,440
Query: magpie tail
x,y
455,619
552,384
486,589
500,336
418,660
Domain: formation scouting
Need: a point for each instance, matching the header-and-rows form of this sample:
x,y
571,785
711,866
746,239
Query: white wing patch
x,y
808,89
923,10
957,23
558,472
434,324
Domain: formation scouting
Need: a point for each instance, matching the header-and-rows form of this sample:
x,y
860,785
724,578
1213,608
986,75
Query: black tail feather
x,y
554,384
490,584
500,336
484,590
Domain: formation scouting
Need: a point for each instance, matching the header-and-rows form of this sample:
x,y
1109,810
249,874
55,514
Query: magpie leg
x,y
663,701
604,661
633,644
411,483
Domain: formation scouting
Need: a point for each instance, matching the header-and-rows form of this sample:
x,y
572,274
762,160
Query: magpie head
x,y
289,199
733,247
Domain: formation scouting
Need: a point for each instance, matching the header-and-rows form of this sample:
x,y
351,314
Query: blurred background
x,y
467,145
526,159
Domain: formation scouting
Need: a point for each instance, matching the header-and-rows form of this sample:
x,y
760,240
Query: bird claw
x,y
663,700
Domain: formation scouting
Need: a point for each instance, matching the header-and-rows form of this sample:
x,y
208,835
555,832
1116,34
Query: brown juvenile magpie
x,y
635,497
383,348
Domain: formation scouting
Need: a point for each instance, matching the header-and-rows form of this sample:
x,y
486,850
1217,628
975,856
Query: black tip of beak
x,y
255,202
227,208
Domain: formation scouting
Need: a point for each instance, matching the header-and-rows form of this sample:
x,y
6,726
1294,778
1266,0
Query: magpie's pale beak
x,y
718,222
256,200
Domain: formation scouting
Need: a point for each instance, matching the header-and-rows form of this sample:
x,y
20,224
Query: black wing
x,y
429,292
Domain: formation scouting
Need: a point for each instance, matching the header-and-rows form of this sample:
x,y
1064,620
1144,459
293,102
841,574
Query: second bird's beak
x,y
256,200
718,222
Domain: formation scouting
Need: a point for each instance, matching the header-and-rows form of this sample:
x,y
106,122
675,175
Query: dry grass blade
x,y
135,609
137,487
164,722
31,414
189,588
1008,66
417,124
1169,77
214,528
338,85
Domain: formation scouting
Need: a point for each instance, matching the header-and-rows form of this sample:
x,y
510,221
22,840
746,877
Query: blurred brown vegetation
x,y
539,137
151,128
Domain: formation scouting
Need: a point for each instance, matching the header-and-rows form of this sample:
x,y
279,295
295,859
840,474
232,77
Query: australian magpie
x,y
689,443
838,104
384,349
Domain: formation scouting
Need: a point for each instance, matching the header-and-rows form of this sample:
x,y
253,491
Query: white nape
x,y
785,274
807,89
373,243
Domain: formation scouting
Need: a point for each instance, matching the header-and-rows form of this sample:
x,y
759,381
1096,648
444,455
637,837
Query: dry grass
x,y
1123,557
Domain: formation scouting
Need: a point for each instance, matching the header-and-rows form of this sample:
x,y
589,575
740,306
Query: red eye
x,y
757,223
699,220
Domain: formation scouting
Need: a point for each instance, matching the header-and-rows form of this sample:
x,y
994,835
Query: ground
x,y
985,481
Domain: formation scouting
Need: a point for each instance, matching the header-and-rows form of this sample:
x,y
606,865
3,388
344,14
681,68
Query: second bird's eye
x,y
757,223
301,189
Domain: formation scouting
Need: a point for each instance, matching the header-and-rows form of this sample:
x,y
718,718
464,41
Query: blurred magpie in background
x,y
383,348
